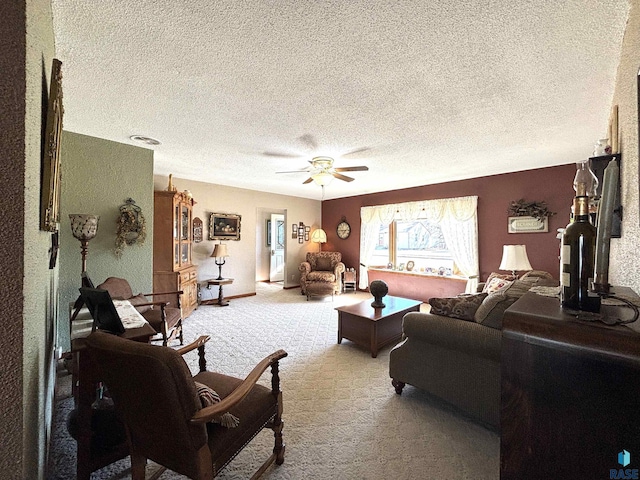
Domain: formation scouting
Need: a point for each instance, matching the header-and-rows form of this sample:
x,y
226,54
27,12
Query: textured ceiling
x,y
420,92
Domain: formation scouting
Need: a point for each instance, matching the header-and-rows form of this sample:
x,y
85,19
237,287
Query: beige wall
x,y
244,255
28,286
625,261
97,177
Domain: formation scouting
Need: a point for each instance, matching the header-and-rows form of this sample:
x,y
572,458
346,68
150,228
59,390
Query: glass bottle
x,y
577,257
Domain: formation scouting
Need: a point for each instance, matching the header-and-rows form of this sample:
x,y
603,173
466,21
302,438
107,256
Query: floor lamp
x,y
84,227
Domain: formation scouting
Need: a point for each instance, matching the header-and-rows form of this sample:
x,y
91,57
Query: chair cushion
x,y
257,408
138,299
117,288
320,276
463,306
154,317
208,396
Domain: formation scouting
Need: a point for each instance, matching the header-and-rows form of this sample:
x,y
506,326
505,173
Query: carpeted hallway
x,y
342,418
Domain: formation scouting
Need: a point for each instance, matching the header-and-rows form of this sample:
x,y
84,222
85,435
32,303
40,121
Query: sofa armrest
x,y
453,334
339,269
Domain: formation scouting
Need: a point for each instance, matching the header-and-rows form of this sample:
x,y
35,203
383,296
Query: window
x,y
419,241
432,236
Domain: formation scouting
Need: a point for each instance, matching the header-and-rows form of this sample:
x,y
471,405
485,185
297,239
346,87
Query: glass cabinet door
x,y
176,221
176,254
185,221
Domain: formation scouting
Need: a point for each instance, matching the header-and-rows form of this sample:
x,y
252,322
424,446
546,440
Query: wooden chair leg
x,y
179,327
163,328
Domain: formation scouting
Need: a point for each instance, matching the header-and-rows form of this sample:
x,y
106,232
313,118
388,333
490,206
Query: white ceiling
x,y
422,92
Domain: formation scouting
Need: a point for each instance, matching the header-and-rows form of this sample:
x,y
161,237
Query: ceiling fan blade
x,y
308,180
304,170
342,177
361,168
281,154
308,140
356,151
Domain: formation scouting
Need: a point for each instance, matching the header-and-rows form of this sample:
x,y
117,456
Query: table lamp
x,y
219,251
514,258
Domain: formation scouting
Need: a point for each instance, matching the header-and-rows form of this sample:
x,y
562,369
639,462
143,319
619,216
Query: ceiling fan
x,y
322,171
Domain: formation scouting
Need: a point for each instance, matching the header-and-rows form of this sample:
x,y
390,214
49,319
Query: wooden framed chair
x,y
164,318
160,404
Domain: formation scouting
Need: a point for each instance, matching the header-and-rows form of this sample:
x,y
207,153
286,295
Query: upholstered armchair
x,y
193,425
322,269
165,319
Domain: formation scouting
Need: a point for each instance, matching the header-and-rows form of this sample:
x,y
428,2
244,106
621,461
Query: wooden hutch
x,y
172,249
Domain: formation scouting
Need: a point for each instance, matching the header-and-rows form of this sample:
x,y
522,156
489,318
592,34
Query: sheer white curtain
x,y
457,218
372,218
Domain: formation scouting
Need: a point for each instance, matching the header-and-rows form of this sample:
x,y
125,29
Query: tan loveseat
x,y
458,360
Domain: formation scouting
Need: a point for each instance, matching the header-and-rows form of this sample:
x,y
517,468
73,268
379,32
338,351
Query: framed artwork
x,y
268,233
294,231
197,230
50,188
224,226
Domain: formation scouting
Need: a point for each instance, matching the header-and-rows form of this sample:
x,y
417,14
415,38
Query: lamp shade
x,y
322,178
514,258
84,226
319,236
220,251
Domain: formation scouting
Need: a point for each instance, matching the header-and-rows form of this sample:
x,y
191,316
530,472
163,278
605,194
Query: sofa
x,y
453,352
321,273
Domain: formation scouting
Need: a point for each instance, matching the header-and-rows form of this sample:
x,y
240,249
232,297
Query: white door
x,y
276,270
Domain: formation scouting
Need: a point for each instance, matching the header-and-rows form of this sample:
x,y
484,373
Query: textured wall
x,y
28,286
554,185
242,262
12,100
625,261
97,177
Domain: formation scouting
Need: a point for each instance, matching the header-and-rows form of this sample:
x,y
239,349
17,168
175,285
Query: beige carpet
x,y
343,419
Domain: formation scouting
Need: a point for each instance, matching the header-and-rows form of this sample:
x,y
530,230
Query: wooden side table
x,y
220,282
349,281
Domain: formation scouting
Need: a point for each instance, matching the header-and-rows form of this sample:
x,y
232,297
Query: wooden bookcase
x,y
172,249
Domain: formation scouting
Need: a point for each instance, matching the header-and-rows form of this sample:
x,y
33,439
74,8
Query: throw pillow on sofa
x,y
492,309
463,306
496,284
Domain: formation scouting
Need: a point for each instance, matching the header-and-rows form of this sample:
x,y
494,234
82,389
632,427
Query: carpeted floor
x,y
342,418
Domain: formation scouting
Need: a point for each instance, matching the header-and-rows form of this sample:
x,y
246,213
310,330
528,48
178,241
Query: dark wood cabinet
x,y
570,394
172,249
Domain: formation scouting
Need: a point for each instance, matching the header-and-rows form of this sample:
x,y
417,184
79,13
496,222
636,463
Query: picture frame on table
x,y
50,187
224,226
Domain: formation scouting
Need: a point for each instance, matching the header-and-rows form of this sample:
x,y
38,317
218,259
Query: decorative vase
x,y
378,289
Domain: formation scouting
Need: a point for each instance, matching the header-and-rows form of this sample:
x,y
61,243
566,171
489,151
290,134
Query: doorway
x,y
276,240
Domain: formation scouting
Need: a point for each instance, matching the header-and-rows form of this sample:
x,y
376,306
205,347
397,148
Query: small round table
x,y
220,282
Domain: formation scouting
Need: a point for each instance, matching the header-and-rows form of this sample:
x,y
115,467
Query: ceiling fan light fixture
x,y
322,178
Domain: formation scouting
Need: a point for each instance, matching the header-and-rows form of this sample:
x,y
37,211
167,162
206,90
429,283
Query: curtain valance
x,y
458,209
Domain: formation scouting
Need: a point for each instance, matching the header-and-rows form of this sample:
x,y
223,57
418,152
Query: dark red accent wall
x,y
553,185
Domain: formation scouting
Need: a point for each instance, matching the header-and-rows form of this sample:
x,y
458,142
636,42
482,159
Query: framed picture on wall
x,y
50,189
224,226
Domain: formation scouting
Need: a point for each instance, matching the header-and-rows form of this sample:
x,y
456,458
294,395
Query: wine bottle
x,y
578,258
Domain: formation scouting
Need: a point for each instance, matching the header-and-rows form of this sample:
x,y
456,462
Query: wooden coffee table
x,y
374,328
